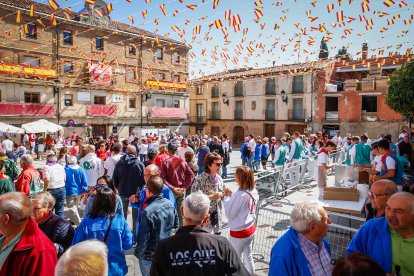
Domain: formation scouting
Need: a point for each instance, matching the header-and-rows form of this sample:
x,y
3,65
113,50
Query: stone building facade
x,y
88,70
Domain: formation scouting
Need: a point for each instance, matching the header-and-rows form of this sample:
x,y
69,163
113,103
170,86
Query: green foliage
x,y
400,96
343,54
323,50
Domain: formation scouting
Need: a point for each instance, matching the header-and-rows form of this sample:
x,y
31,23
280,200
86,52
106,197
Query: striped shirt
x,y
317,256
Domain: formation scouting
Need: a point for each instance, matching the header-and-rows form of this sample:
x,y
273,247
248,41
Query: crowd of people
x,y
174,190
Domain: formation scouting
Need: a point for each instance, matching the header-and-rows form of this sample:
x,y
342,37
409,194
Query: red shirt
x,y
161,158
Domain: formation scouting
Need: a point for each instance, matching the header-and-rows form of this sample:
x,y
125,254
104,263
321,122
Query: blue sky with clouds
x,y
268,45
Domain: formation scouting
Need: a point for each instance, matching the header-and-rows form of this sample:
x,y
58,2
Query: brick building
x,y
265,102
87,69
351,97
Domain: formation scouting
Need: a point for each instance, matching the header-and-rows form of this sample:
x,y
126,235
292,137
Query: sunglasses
x,y
218,164
100,186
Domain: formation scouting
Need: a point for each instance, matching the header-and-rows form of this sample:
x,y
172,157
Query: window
x,y
68,100
215,91
199,90
331,104
215,112
297,86
159,54
99,44
131,75
99,100
31,31
68,67
176,103
176,57
238,110
160,103
238,89
132,50
270,87
32,61
270,110
369,104
177,78
132,102
67,38
31,97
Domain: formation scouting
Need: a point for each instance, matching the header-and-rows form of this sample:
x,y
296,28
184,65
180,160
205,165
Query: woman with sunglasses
x,y
103,182
211,184
102,152
104,224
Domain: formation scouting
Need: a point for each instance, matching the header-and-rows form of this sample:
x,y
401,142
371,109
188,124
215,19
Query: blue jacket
x,y
287,257
202,151
374,240
76,182
242,149
118,205
119,239
258,152
265,151
156,222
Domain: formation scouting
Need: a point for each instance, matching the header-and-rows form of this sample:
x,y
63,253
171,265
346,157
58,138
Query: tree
x,y
323,50
400,96
343,54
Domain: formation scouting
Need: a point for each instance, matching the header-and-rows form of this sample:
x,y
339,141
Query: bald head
x,y
17,206
400,214
386,186
403,198
90,148
151,170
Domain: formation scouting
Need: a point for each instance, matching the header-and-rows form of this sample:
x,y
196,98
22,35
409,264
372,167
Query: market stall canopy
x,y
10,129
41,126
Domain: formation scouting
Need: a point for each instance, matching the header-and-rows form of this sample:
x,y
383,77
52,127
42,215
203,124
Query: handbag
x,y
107,230
214,218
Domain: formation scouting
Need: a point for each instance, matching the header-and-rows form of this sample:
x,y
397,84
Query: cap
x,y
172,147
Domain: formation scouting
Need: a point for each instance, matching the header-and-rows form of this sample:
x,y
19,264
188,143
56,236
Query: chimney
x,y
274,63
364,51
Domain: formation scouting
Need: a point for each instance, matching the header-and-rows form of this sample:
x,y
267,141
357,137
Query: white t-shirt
x,y
322,159
110,163
377,163
93,168
8,145
182,151
143,149
390,162
337,140
352,153
55,174
252,145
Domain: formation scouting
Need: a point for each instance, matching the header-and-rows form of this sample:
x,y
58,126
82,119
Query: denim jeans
x,y
125,204
250,160
143,157
144,266
179,201
60,196
256,165
224,171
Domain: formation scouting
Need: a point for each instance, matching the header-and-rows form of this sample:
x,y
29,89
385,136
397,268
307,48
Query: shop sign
x,y
26,70
166,85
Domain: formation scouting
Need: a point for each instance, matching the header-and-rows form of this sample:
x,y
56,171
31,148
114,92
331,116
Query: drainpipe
x,y
57,81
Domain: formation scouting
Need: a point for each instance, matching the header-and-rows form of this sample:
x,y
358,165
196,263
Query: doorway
x,y
238,135
269,130
99,130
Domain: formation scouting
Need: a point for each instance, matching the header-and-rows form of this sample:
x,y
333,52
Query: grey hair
x,y
72,159
131,149
91,148
51,157
196,206
45,199
154,169
27,159
304,213
406,195
16,205
89,257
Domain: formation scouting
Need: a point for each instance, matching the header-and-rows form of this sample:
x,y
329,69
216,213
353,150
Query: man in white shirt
x,y
323,166
54,177
337,139
184,148
8,147
92,165
110,163
352,151
252,146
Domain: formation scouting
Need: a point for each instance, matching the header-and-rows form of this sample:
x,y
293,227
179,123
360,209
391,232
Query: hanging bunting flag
x,y
250,49
175,28
277,4
407,21
26,29
32,11
40,22
131,19
227,14
365,7
236,28
313,18
162,7
350,19
258,13
340,16
197,30
53,4
175,13
108,8
156,21
90,2
215,3
262,25
277,27
258,3
369,22
99,12
402,4
192,55
53,20
362,18
245,31
396,16
390,21
147,1
191,6
129,1
218,23
18,17
187,22
339,2
389,3
235,20
330,7
314,3
67,15
144,13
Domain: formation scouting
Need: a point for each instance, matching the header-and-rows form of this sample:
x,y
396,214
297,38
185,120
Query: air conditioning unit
x,y
331,87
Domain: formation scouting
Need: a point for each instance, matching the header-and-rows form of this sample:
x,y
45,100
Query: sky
x,y
284,32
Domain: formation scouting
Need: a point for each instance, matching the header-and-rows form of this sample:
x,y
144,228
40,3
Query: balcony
x,y
296,114
214,115
238,114
270,114
27,109
167,113
198,120
331,115
97,110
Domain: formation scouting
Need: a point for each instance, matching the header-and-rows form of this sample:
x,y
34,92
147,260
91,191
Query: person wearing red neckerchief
x,y
323,166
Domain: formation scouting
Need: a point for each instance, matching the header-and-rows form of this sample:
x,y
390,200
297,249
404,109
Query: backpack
x,y
246,151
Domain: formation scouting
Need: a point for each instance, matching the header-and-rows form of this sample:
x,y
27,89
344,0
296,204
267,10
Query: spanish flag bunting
x,y
382,14
308,12
175,28
283,18
341,24
191,6
362,18
368,27
322,28
187,22
236,28
339,2
227,14
313,18
218,23
53,4
407,21
389,3
18,17
402,4
245,31
162,7
197,30
26,29
147,1
330,7
156,21
390,21
381,52
32,11
108,8
40,22
365,7
144,13
192,55
258,3
314,3
131,19
175,13
396,16
277,4
383,29
250,49
262,25
350,19
235,20
215,3
412,16
67,15
53,19
369,22
129,1
340,16
99,12
90,2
